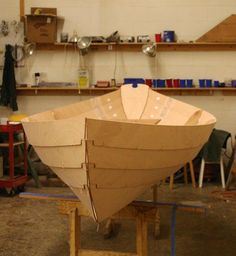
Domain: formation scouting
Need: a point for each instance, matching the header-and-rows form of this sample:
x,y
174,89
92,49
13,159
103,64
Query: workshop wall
x,y
189,20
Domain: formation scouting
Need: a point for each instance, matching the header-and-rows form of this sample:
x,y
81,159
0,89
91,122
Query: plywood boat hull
x,y
110,149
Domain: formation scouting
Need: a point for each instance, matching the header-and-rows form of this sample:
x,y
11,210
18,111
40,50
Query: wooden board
x,y
223,32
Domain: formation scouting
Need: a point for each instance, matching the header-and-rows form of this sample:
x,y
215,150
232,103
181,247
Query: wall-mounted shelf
x,y
62,90
137,46
66,91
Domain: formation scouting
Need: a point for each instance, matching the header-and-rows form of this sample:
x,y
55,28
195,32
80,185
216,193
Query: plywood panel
x,y
121,178
223,32
144,136
67,156
134,100
110,201
130,159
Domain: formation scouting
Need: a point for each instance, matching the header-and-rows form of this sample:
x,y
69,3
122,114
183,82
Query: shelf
x,y
196,46
138,46
67,90
71,90
94,46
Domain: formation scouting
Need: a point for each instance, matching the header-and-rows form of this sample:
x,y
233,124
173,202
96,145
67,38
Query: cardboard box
x,y
42,10
41,27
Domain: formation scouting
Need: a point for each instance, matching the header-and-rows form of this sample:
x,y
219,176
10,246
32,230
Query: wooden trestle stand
x,y
135,211
140,211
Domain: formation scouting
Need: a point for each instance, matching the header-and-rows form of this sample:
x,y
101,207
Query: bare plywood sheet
x,y
221,33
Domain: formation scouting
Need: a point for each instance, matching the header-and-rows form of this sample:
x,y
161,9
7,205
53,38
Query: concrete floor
x,y
35,228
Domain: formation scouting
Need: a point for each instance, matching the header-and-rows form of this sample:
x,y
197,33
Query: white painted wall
x,y
189,19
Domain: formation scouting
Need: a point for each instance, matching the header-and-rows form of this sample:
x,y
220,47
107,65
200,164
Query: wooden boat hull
x,y
109,152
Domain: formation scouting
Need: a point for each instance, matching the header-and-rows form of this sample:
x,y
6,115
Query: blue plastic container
x,y
169,36
216,83
202,83
155,83
134,81
189,83
182,83
233,83
162,83
208,83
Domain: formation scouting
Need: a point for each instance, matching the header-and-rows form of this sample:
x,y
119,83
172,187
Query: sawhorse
x,y
140,211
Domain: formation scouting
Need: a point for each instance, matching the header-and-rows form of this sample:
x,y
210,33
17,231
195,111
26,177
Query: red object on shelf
x,y
148,82
103,84
169,83
176,83
158,38
13,181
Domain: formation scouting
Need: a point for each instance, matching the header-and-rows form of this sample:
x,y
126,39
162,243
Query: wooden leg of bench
x,y
171,182
154,193
157,217
192,174
141,236
74,222
157,228
229,180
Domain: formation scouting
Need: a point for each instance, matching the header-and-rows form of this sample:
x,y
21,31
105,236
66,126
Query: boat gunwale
x,y
211,120
126,121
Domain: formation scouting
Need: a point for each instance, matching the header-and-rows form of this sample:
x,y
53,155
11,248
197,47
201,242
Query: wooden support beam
x,y
22,9
104,253
41,196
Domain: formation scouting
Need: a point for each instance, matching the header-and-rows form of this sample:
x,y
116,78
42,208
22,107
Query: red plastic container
x,y
158,38
176,83
169,82
148,82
